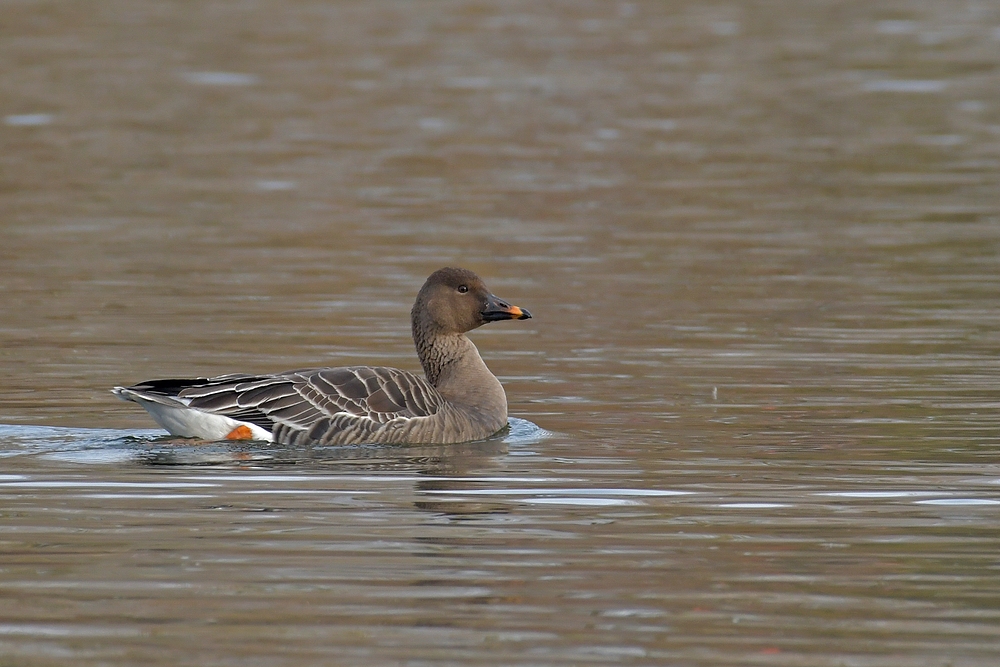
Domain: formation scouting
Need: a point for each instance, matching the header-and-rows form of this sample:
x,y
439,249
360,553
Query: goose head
x,y
454,301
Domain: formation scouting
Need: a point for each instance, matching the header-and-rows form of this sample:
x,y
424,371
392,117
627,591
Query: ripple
x,y
275,186
905,86
89,446
879,494
25,439
896,27
219,78
959,501
83,484
524,432
581,501
74,630
28,119
571,491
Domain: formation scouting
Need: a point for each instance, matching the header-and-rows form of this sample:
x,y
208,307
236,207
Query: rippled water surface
x,y
755,419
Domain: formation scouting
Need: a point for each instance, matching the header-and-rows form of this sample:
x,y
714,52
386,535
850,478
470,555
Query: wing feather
x,y
316,404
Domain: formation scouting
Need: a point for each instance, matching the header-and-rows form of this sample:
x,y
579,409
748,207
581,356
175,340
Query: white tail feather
x,y
185,422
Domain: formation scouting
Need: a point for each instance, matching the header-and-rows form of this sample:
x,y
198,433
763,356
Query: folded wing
x,y
310,404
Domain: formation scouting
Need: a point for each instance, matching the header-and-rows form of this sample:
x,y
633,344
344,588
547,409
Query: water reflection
x,y
153,447
342,545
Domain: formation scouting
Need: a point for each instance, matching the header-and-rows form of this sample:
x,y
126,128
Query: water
x,y
755,416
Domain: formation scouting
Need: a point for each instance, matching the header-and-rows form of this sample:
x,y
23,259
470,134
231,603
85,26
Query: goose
x,y
457,400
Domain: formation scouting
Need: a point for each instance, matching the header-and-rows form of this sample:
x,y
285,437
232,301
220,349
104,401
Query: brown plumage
x,y
458,400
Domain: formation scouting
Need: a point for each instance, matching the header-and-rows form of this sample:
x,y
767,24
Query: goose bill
x,y
498,309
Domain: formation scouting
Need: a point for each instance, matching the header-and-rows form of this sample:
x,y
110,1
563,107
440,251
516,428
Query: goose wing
x,y
328,398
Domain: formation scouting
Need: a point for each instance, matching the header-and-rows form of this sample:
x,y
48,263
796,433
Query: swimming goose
x,y
458,400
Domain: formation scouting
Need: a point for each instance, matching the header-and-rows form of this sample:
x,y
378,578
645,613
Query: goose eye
x,y
462,289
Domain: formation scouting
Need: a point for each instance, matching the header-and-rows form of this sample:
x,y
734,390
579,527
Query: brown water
x,y
756,416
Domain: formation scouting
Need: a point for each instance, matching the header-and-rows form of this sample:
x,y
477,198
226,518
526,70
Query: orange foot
x,y
241,432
